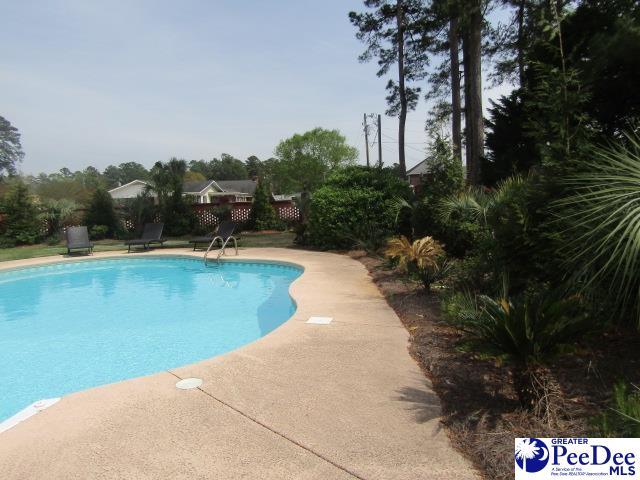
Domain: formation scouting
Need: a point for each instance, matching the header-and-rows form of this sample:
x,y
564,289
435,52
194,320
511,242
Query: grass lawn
x,y
249,239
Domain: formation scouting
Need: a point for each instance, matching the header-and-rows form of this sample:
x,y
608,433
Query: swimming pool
x,y
71,326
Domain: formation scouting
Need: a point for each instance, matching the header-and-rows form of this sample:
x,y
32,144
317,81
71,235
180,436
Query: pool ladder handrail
x,y
222,250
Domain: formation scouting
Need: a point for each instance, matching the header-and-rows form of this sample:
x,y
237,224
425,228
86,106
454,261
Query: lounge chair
x,y
223,227
78,238
222,235
151,234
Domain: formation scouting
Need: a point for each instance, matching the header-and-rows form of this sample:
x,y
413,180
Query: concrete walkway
x,y
338,401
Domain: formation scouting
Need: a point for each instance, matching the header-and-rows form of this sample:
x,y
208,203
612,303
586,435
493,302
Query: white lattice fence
x,y
128,224
207,215
240,214
288,212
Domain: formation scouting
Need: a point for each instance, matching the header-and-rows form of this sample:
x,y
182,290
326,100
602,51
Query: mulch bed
x,y
479,406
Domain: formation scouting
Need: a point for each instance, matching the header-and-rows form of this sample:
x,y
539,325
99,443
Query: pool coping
x,y
303,408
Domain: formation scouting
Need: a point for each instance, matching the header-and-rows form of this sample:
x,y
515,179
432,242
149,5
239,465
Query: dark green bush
x,y
139,210
459,235
7,242
507,229
445,179
177,215
263,216
98,232
173,207
101,211
23,223
355,206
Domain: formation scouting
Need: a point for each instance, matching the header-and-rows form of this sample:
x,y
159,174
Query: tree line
x,y
301,162
573,64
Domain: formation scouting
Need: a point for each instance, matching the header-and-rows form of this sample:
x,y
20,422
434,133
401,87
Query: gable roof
x,y
196,187
238,186
420,169
225,186
127,185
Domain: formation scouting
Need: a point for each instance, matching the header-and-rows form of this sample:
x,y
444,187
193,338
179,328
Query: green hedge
x,y
355,206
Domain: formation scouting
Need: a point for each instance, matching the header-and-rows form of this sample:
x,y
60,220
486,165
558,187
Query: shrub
x,y
445,179
459,234
140,210
98,232
23,222
59,214
424,258
177,215
355,205
509,227
173,207
623,419
263,216
526,330
7,242
101,211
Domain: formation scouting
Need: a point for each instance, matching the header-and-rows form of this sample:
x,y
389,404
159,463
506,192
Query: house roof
x,y
199,187
420,169
280,198
127,185
196,187
238,186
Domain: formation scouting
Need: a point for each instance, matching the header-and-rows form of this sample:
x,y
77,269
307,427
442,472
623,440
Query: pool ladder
x,y
222,250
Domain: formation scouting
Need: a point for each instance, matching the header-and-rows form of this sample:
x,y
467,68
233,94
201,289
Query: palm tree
x,y
601,216
526,449
479,203
59,213
424,257
174,211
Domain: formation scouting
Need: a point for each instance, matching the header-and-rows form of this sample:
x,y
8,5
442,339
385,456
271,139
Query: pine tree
x,y
387,32
263,215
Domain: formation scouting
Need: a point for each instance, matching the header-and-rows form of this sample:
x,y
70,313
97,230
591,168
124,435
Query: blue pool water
x,y
71,326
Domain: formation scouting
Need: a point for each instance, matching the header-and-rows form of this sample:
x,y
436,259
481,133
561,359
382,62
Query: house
x,y
210,191
129,190
206,191
419,175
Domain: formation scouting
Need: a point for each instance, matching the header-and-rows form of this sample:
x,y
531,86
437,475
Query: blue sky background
x,y
99,83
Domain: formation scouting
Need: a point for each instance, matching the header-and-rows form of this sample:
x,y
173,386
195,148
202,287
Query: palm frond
x,y
471,203
601,218
424,257
397,205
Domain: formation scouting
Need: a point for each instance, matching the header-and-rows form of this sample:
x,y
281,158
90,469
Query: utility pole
x,y
379,141
366,138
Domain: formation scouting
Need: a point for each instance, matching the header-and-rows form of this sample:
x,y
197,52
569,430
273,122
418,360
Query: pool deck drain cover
x,y
320,320
189,383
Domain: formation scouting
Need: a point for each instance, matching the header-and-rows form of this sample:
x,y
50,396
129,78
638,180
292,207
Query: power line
x,y
411,158
406,145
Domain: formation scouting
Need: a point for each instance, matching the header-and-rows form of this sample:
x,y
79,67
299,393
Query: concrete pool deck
x,y
337,401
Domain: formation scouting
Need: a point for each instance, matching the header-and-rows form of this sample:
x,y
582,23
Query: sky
x,y
100,83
